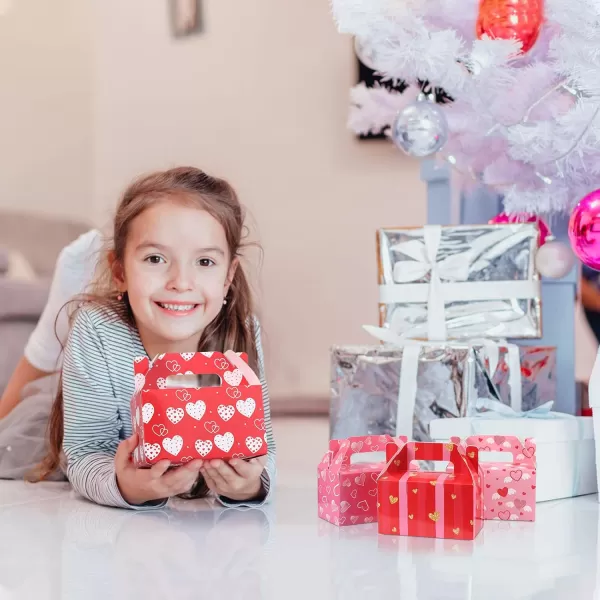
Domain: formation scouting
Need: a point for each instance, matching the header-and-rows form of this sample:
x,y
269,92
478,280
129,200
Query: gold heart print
x,y
415,490
456,531
393,499
453,496
394,530
411,517
434,516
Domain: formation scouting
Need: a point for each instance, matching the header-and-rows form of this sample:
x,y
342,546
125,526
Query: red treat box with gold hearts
x,y
417,503
509,485
183,423
347,490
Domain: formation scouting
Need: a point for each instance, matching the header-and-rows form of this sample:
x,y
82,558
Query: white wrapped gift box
x,y
565,454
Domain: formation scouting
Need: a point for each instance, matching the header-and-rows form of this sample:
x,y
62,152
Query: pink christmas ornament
x,y
523,218
554,259
584,230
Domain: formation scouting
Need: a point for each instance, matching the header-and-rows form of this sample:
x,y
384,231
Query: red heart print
x,y
516,475
499,439
520,503
487,485
504,515
529,452
533,487
503,492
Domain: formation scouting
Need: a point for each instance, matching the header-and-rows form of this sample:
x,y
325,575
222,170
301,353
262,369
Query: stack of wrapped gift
x,y
449,296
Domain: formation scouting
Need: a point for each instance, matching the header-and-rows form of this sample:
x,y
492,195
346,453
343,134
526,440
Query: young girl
x,y
173,284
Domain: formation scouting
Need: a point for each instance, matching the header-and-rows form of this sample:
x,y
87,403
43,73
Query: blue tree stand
x,y
558,295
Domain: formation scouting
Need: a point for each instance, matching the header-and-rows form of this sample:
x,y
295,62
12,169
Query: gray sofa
x,y
39,240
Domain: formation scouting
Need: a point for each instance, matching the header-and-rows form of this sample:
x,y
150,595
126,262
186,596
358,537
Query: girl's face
x,y
177,271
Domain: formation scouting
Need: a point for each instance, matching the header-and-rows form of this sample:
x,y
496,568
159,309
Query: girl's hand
x,y
139,486
239,480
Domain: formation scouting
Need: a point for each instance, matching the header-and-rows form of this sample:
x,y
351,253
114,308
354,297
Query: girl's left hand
x,y
238,480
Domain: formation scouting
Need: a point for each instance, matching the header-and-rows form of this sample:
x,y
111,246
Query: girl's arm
x,y
92,422
269,474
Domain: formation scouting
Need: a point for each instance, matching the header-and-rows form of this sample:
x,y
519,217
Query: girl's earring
x,y
224,301
120,297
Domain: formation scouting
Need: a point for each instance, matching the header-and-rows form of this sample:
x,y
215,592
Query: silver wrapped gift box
x,y
399,391
460,282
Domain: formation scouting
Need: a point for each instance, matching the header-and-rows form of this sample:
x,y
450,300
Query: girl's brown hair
x,y
233,328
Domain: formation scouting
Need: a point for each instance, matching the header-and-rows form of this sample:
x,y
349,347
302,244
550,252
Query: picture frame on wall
x,y
186,17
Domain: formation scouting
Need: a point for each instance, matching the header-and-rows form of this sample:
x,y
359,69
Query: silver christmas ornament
x,y
420,129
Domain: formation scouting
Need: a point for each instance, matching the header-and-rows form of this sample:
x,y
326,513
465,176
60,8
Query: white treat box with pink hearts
x,y
180,423
564,449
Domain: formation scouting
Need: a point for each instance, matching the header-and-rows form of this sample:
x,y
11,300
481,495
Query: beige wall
x,y
45,108
260,98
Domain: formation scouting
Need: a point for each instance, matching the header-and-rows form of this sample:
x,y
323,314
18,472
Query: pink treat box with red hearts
x,y
184,423
509,487
347,490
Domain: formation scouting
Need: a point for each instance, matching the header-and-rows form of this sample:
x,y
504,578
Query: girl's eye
x,y
206,262
154,259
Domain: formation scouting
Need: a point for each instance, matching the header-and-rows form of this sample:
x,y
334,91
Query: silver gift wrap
x,y
485,281
365,386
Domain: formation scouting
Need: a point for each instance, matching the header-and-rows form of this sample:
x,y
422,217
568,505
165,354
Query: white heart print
x,y
175,415
233,378
139,359
147,412
183,395
187,355
161,382
246,407
151,451
233,392
224,442
196,409
207,354
225,412
254,444
203,447
173,366
173,445
139,382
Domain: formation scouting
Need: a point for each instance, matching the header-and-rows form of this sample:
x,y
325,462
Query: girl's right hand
x,y
139,486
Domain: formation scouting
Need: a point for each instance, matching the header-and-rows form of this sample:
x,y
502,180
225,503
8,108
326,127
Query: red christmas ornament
x,y
511,19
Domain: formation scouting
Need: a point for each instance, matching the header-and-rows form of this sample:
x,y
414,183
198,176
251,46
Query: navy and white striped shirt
x,y
98,384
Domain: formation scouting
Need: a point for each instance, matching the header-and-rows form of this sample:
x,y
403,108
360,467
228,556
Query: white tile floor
x,y
53,545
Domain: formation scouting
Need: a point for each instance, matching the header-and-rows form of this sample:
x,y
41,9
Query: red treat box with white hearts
x,y
508,485
184,423
347,490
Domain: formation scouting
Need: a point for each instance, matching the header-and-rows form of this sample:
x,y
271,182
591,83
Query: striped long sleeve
x,y
94,420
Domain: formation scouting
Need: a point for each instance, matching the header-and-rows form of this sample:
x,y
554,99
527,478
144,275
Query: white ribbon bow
x,y
449,277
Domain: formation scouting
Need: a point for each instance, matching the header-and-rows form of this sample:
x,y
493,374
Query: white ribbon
x,y
409,370
454,270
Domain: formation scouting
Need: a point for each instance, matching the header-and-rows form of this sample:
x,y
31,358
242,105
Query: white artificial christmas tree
x,y
525,123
